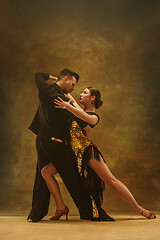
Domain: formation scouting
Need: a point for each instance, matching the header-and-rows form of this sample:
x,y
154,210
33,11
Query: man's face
x,y
69,84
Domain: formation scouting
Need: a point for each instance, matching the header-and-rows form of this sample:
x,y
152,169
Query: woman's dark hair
x,y
95,92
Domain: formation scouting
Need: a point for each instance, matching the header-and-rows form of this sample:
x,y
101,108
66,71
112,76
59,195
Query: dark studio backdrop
x,y
114,46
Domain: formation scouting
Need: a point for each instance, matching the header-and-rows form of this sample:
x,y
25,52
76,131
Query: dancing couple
x,y
63,146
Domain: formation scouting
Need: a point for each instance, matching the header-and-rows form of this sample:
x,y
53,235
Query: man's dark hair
x,y
69,73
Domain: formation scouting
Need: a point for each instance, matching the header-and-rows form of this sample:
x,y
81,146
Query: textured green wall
x,y
113,45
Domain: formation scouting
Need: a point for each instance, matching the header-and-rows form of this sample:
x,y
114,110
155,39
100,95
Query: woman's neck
x,y
89,108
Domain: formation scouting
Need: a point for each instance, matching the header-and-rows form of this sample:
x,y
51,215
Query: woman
x,y
91,164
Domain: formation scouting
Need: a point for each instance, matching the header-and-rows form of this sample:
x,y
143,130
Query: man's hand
x,y
52,80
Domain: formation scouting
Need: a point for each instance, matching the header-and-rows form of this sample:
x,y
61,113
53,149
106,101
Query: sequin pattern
x,y
79,142
94,207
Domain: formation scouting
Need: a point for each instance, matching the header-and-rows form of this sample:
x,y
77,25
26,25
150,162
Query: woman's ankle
x,y
138,209
61,206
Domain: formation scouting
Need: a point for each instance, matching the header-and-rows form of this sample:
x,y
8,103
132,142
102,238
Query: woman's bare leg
x,y
47,173
105,174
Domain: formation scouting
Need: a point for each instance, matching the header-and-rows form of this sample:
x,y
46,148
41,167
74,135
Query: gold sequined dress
x,y
84,150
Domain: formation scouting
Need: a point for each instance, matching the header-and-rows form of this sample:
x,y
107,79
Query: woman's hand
x,y
73,101
60,103
69,96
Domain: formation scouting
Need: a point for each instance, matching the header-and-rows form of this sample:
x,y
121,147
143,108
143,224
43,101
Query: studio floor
x,y
126,227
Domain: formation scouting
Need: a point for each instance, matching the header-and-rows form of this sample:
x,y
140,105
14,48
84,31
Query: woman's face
x,y
85,97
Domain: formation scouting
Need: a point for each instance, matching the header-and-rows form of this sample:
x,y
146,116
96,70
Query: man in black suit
x,y
51,125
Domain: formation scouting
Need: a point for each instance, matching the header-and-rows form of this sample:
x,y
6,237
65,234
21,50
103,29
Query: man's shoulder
x,y
55,95
57,92
54,91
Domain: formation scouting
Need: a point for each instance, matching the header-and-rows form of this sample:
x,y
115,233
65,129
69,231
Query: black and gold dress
x,y
85,150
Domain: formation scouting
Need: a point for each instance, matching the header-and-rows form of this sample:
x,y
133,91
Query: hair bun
x,y
99,104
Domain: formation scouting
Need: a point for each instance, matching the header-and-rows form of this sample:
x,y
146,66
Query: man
x,y
52,128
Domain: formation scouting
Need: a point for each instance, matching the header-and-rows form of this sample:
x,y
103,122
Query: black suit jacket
x,y
49,121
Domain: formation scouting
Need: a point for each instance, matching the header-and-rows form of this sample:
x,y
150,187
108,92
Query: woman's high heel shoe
x,y
150,216
60,213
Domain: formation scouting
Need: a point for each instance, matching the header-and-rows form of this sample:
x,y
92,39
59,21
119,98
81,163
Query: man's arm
x,y
44,88
34,127
40,79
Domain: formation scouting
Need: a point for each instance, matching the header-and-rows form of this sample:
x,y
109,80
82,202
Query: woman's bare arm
x,y
73,101
91,119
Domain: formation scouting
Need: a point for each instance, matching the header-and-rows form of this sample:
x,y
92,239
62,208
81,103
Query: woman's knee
x,y
44,172
49,169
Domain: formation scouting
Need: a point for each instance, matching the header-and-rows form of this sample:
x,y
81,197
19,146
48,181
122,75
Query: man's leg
x,y
41,198
41,194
